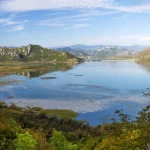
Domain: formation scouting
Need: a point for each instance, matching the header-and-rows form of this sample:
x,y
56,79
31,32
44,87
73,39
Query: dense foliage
x,y
39,129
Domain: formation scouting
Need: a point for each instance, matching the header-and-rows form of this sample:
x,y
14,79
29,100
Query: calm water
x,y
93,89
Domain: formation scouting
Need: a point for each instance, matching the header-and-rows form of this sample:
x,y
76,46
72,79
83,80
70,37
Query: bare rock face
x,y
29,48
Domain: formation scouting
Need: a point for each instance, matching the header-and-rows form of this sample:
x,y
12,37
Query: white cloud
x,y
70,21
146,38
141,39
67,42
16,28
130,37
80,17
7,21
10,20
28,5
118,40
132,9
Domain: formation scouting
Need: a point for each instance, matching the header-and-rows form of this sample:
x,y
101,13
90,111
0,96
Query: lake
x,y
93,89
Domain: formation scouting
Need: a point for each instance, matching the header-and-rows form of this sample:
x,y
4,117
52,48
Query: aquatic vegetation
x,y
61,113
46,78
10,82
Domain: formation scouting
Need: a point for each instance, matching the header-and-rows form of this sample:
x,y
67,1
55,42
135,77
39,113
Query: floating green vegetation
x,y
61,113
57,112
4,83
47,78
10,82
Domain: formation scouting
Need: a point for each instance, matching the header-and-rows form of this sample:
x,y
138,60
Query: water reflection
x,y
33,73
145,65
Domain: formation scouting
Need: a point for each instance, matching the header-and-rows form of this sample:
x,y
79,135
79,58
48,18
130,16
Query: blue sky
x,y
66,22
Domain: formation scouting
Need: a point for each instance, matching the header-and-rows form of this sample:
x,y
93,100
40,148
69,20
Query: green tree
x,y
25,142
59,142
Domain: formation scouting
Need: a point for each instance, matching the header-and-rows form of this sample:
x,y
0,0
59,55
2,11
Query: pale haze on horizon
x,y
68,22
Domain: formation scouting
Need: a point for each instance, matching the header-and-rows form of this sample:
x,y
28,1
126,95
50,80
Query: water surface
x,y
93,89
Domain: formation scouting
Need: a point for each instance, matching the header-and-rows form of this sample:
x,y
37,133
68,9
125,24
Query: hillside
x,y
35,53
43,129
143,56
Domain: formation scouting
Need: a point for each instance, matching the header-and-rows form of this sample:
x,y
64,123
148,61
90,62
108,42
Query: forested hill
x,y
35,53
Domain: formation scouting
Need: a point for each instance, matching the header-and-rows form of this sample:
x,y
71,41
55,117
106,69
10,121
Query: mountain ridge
x,y
36,53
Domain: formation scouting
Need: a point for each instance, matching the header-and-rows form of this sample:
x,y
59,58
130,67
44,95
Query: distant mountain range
x,y
86,51
36,53
79,50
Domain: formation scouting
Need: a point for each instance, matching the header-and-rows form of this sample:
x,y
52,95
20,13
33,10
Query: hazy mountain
x,y
9,46
135,47
84,51
85,47
80,54
66,49
76,52
111,51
